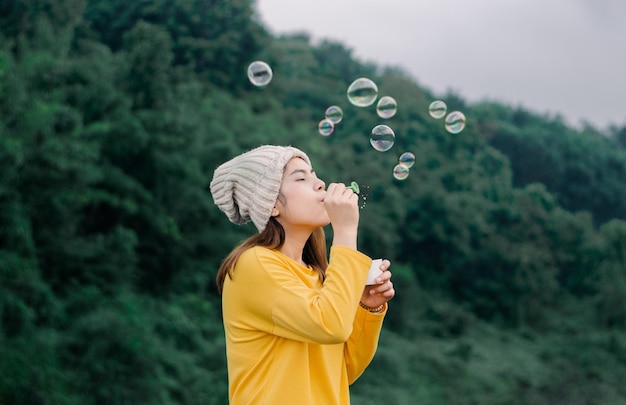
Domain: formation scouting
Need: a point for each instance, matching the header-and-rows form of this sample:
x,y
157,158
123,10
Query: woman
x,y
300,328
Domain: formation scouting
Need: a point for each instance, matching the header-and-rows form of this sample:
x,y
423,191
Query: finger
x,y
386,296
339,190
389,294
382,288
386,264
385,276
332,189
347,192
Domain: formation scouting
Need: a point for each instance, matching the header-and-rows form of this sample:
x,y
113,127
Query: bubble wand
x,y
354,186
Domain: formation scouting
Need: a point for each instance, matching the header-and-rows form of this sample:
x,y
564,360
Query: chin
x,y
322,224
326,221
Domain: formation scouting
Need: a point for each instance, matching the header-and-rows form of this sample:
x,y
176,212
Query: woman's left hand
x,y
377,294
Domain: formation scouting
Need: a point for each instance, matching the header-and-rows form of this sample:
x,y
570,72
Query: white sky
x,y
564,57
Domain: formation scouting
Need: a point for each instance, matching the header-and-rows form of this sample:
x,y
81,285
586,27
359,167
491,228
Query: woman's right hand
x,y
342,206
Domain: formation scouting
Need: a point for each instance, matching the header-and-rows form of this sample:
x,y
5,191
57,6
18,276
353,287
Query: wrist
x,y
374,310
345,235
346,239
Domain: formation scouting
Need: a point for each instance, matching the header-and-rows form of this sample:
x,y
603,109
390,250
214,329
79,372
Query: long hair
x,y
273,237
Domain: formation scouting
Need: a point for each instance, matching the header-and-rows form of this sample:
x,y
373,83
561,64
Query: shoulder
x,y
264,261
259,265
258,253
258,257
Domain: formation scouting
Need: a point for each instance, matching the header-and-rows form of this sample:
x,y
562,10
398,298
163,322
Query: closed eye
x,y
302,172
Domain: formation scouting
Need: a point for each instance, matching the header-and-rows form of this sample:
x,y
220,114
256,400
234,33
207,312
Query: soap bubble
x,y
437,109
382,138
334,114
400,172
325,127
407,159
362,92
386,107
260,73
455,122
363,195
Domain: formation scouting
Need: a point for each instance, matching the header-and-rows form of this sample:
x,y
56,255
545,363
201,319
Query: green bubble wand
x,y
354,186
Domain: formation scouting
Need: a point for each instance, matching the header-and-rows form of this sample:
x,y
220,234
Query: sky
x,y
565,57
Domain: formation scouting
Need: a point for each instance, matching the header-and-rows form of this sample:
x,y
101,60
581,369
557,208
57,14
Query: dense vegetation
x,y
508,240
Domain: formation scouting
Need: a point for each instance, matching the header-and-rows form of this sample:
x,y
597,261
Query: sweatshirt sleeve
x,y
326,315
285,306
361,347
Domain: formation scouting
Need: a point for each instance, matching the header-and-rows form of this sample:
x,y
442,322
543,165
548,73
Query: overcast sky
x,y
564,57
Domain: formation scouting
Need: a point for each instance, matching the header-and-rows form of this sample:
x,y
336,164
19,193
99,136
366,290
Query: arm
x,y
321,315
278,297
360,348
325,315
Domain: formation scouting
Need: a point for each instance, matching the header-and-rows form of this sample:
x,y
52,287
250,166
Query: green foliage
x,y
611,277
582,168
214,38
507,239
140,350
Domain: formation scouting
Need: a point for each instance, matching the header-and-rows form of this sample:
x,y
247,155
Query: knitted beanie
x,y
246,187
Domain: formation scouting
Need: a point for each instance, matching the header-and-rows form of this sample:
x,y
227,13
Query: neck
x,y
294,245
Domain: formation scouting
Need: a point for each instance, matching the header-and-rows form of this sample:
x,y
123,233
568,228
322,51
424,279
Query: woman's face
x,y
301,200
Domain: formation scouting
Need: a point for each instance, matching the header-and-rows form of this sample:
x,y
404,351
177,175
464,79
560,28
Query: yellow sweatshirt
x,y
291,340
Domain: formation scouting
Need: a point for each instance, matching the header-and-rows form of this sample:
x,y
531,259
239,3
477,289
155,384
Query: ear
x,y
275,212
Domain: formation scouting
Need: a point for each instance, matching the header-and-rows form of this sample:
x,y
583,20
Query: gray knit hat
x,y
246,187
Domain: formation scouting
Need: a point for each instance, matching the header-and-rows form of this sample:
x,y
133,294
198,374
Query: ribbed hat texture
x,y
246,187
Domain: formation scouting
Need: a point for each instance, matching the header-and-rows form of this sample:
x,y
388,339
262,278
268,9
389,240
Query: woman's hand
x,y
381,292
342,207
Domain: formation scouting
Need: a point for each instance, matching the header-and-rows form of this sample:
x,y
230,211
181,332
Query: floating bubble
x,y
325,127
455,122
362,92
437,109
407,159
260,73
382,138
334,114
400,172
386,107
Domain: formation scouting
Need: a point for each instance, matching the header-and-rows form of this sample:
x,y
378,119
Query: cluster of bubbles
x,y
405,162
363,92
332,116
454,121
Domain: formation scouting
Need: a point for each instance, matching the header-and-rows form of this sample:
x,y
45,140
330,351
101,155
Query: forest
x,y
507,239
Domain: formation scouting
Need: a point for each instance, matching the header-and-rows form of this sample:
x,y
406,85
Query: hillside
x,y
508,239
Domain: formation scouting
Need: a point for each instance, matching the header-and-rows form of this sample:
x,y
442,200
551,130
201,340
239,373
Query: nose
x,y
320,185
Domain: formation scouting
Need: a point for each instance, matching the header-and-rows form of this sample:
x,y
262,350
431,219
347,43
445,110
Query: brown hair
x,y
273,237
